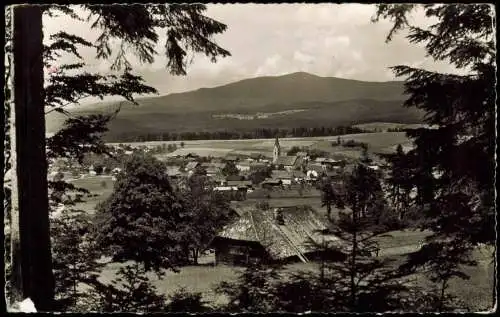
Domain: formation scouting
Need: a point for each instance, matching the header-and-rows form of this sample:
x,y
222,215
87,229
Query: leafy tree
x,y
258,175
207,211
139,221
294,150
199,171
184,301
74,258
130,291
365,158
187,29
253,291
454,166
230,169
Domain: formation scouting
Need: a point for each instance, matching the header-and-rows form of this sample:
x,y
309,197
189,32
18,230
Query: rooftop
x,y
301,230
286,160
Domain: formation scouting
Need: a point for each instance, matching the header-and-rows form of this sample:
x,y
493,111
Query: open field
x,y
475,292
377,142
94,184
384,126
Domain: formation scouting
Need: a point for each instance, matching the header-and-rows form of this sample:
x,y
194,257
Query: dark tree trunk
x,y
353,258
31,262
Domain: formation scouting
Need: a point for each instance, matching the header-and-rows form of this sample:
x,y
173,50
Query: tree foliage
x,y
362,282
259,174
130,291
452,164
139,221
137,27
253,291
74,257
207,211
230,169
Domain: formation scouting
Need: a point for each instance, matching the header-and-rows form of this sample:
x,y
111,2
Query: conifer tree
x,y
362,283
136,26
453,159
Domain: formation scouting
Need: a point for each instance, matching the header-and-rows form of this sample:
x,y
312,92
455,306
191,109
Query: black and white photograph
x,y
250,158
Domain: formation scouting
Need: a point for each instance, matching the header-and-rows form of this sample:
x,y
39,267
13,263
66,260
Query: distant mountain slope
x,y
326,101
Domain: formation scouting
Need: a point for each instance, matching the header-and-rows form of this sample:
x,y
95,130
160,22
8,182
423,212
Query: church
x,y
290,163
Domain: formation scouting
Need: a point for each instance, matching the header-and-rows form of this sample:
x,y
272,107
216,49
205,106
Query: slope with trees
x,y
452,165
136,27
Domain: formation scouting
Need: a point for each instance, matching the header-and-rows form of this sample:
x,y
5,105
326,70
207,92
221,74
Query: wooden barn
x,y
282,235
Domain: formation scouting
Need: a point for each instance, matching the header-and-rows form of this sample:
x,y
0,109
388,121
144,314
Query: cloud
x,y
272,39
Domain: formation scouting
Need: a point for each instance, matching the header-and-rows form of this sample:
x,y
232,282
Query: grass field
x,y
475,292
377,142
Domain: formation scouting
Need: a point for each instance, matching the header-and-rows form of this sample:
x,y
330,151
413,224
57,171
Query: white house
x,y
243,166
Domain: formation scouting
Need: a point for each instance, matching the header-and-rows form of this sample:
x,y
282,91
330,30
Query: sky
x,y
337,40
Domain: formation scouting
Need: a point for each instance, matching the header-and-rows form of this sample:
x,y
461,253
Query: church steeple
x,y
276,151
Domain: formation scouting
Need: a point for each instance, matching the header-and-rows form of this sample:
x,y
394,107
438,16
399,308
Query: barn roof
x,y
239,183
301,227
257,164
315,167
279,174
173,171
286,160
191,165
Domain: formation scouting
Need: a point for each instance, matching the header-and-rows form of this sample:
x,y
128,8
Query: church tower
x,y
276,151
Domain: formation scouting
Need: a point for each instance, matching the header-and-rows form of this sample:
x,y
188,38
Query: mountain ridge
x,y
326,101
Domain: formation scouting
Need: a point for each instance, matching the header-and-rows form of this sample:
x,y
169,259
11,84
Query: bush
x,y
184,301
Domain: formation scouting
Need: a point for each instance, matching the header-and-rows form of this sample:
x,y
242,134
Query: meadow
x,y
476,291
381,142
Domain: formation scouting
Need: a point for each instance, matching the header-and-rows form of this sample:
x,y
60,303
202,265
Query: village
x,y
275,197
192,158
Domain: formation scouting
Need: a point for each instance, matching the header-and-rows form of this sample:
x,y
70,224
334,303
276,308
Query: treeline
x,y
397,129
260,133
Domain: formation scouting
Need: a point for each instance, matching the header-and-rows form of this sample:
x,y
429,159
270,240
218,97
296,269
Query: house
x,y
255,156
314,170
219,180
374,167
257,165
233,192
289,162
173,172
190,156
243,166
242,187
240,184
213,169
328,162
191,166
298,176
231,158
281,235
235,178
271,182
285,177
